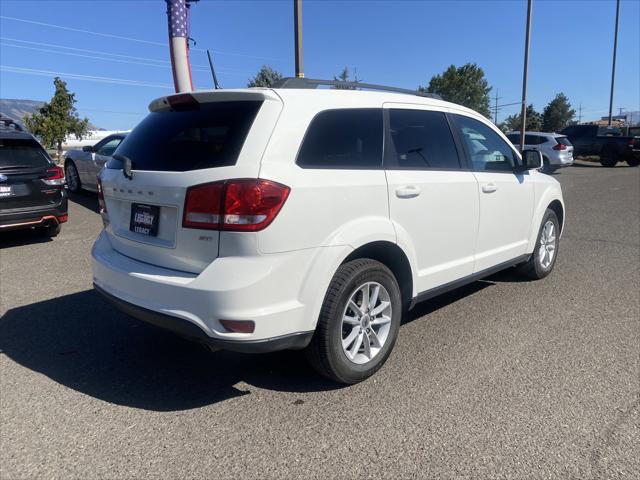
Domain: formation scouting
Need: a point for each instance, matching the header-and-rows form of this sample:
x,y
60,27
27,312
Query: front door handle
x,y
409,191
489,188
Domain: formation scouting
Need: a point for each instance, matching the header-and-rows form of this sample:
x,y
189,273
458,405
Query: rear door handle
x,y
409,191
489,188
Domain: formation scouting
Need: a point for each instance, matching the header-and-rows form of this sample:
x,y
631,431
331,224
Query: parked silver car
x,y
556,149
82,166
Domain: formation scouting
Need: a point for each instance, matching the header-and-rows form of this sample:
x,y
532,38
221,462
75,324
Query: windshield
x,y
22,153
189,140
564,141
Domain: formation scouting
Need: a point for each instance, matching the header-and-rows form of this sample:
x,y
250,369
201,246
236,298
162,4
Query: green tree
x,y
465,85
557,114
344,76
265,77
514,122
57,119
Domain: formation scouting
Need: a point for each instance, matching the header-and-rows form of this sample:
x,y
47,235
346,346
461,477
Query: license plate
x,y
144,219
5,191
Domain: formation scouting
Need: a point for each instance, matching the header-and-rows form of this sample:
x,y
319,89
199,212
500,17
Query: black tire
x,y
52,230
633,162
533,268
69,170
608,159
325,352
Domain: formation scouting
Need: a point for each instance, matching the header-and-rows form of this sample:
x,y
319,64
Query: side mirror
x,y
531,160
87,148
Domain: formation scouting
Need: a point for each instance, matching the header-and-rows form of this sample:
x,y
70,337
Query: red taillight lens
x,y
203,206
102,206
245,205
55,176
251,205
560,146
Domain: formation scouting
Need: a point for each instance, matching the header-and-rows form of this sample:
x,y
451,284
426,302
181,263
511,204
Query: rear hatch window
x,y
211,136
22,154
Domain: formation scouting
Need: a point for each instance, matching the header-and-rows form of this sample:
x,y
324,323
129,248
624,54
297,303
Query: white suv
x,y
556,149
264,219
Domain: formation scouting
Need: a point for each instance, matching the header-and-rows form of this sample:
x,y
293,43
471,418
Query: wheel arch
x,y
394,258
558,208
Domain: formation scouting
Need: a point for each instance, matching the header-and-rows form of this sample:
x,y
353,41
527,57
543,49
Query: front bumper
x,y
263,289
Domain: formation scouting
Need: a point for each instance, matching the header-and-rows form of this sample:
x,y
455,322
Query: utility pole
x,y
297,31
527,42
613,66
495,109
580,113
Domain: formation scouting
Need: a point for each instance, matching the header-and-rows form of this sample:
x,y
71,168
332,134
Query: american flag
x,y
177,14
178,17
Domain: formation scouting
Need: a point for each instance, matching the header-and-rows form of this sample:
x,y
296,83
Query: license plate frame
x,y
145,219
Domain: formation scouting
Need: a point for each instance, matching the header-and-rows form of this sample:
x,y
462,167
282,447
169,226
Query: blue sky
x,y
400,43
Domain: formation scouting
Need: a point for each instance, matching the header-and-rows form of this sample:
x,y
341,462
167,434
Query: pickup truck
x,y
605,142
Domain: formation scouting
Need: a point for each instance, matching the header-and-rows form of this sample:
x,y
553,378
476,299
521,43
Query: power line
x,y
130,39
101,52
77,76
93,57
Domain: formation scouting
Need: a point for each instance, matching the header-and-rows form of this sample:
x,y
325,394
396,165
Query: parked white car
x,y
264,219
82,166
556,149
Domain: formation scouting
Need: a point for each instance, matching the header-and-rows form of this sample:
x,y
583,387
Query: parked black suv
x,y
32,188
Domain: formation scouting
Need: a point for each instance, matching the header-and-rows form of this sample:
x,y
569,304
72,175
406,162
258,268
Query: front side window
x,y
345,138
108,148
487,150
420,139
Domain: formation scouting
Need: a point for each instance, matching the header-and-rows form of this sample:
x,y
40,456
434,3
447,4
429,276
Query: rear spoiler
x,y
183,101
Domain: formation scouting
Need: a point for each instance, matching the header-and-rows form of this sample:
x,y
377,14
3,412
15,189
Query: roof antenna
x,y
216,85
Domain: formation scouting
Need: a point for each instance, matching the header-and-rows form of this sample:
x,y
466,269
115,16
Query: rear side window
x,y
22,153
189,140
420,139
345,138
528,139
563,141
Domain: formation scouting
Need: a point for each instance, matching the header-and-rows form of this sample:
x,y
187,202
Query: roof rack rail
x,y
8,123
311,83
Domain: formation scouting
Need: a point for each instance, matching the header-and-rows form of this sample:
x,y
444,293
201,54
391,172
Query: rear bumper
x,y
38,217
263,289
188,330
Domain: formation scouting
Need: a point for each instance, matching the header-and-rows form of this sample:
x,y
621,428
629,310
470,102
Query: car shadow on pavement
x,y
82,342
85,199
27,236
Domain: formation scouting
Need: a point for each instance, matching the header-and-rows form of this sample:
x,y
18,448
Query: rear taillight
x,y
560,146
55,176
102,206
244,205
203,206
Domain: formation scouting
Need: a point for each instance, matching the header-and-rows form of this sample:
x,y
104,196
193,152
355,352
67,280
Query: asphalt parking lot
x,y
501,378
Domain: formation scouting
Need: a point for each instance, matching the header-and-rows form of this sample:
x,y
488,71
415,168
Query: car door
x,y
433,201
101,156
506,196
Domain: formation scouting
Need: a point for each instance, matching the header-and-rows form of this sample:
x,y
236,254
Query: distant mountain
x,y
16,110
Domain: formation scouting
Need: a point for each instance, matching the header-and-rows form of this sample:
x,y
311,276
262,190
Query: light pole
x,y
527,41
613,67
297,32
